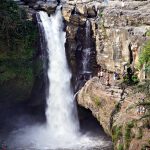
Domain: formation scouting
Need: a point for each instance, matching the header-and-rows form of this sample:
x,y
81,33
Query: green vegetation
x,y
128,137
144,58
116,133
117,107
101,14
120,147
102,27
96,100
133,81
148,33
143,87
17,43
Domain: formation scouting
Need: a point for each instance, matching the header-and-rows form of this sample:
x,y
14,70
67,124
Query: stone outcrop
x,y
115,109
91,97
36,5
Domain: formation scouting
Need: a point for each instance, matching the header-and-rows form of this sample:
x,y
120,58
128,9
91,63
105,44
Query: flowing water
x,y
62,128
61,111
87,51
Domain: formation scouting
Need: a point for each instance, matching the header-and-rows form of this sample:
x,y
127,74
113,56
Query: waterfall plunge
x,y
61,112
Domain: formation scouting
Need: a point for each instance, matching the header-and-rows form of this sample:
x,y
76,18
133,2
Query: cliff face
x,y
80,41
121,34
119,31
116,111
20,57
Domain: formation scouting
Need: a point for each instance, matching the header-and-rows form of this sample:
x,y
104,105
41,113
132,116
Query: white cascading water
x,y
61,111
87,50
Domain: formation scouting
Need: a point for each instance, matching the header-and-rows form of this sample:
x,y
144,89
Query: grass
x,y
116,133
128,137
96,100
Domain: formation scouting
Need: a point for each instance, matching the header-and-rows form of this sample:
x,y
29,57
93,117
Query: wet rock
x,y
49,7
77,20
91,11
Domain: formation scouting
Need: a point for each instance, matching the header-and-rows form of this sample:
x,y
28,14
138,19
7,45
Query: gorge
x,y
73,43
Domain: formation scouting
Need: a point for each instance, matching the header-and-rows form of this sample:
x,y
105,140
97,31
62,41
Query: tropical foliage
x,y
17,42
144,58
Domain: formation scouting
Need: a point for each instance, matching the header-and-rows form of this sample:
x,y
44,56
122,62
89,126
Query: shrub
x,y
128,128
144,58
120,147
117,133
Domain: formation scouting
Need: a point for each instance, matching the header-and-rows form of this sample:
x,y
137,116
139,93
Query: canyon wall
x,y
119,31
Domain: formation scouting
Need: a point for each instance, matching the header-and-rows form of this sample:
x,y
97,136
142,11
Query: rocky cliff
x,y
20,59
119,31
116,110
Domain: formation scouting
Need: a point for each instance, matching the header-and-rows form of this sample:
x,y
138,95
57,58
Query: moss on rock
x,y
18,36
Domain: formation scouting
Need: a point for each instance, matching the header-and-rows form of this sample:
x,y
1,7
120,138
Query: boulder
x,y
49,7
67,12
91,11
81,9
77,20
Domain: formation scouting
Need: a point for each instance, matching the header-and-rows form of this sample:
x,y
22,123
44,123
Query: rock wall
x,y
115,109
119,31
76,18
121,34
21,71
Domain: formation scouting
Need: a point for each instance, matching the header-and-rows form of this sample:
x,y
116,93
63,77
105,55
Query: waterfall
x,y
85,68
87,51
61,111
62,127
